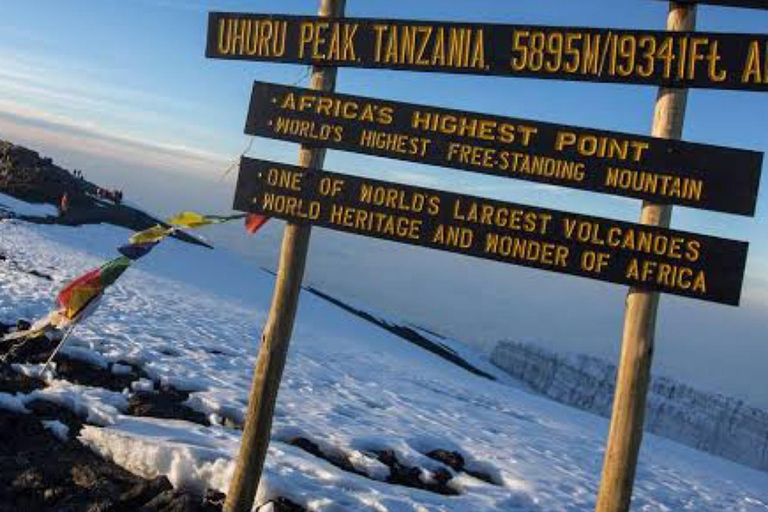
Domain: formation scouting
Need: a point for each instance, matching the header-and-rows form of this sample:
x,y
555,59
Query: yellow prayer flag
x,y
190,220
151,235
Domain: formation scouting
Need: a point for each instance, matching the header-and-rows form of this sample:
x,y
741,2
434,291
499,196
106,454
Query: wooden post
x,y
279,326
632,380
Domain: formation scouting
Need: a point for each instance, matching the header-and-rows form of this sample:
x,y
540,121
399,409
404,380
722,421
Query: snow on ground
x,y
191,318
11,204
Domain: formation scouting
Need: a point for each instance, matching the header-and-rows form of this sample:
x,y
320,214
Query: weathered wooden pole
x,y
634,372
277,331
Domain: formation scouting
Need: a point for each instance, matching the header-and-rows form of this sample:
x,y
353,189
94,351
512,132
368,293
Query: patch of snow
x,y
19,207
96,405
13,403
191,456
58,429
368,465
29,370
121,369
145,385
87,355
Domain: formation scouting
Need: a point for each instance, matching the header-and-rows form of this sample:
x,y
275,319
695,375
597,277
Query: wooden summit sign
x,y
679,59
747,4
654,169
677,262
648,256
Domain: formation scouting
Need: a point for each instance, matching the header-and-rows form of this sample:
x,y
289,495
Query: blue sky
x,y
121,89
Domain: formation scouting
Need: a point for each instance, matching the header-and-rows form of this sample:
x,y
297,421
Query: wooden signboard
x,y
658,170
681,59
648,256
677,262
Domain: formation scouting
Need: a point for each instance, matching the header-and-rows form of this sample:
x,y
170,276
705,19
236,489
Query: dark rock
x,y
50,411
26,175
53,494
87,374
143,492
283,505
166,403
39,274
408,476
14,382
215,498
31,479
38,472
442,476
480,475
453,460
175,501
399,474
337,460
159,502
307,445
32,350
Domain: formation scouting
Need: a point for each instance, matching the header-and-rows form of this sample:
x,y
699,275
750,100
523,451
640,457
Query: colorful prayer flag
x,y
193,220
153,234
78,294
254,221
111,270
136,251
190,220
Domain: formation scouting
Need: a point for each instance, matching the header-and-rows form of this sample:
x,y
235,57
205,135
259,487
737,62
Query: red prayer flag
x,y
79,292
254,221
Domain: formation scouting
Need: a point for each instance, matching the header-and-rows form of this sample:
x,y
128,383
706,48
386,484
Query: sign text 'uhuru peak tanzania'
x,y
683,59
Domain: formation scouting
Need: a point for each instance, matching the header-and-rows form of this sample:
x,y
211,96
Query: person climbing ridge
x,y
63,204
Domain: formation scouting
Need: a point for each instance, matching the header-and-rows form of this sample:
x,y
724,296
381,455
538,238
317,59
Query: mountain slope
x,y
710,422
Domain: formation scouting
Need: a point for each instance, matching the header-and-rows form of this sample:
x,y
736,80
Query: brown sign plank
x,y
680,59
747,4
677,262
659,170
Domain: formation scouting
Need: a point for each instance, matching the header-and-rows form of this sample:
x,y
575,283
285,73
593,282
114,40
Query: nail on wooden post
x,y
633,377
279,326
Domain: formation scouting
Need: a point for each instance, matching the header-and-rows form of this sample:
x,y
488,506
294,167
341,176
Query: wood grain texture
x,y
628,414
279,327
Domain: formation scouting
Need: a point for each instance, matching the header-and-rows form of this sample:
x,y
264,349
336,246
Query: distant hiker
x,y
63,204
